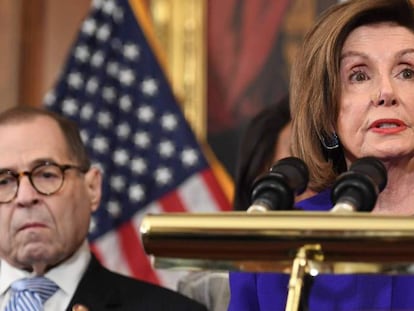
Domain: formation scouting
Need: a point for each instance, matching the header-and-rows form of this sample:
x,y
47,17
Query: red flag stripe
x,y
98,254
172,203
110,254
138,262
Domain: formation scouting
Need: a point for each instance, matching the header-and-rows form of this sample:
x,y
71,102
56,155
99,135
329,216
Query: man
x,y
48,191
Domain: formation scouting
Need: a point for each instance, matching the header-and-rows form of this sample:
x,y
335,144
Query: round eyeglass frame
x,y
18,175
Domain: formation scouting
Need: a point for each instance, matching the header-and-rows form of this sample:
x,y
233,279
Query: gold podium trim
x,y
269,241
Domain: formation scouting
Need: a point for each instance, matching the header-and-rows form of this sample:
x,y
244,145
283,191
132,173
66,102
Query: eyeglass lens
x,y
46,179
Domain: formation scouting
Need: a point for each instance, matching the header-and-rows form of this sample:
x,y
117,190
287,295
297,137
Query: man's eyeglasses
x,y
46,178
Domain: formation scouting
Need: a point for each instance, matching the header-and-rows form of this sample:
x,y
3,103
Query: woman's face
x,y
376,115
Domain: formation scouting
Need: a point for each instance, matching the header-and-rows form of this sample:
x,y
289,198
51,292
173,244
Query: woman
x,y
352,95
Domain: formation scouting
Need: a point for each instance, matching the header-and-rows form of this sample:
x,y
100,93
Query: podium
x,y
295,242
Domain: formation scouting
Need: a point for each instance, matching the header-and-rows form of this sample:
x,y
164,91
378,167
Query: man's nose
x,y
26,193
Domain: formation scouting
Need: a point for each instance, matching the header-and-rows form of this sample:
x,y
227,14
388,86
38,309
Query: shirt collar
x,y
66,275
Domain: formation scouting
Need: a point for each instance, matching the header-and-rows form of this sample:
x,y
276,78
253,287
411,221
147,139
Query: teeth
x,y
387,125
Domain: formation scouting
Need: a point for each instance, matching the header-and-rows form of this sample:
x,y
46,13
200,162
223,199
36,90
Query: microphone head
x,y
373,169
277,189
294,171
361,184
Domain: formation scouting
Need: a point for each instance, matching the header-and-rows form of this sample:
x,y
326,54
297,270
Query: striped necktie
x,y
30,294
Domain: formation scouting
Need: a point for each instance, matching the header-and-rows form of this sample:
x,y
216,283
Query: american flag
x,y
114,88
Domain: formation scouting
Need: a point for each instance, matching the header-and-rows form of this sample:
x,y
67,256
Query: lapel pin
x,y
79,307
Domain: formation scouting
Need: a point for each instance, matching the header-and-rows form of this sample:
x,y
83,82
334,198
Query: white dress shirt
x,y
66,275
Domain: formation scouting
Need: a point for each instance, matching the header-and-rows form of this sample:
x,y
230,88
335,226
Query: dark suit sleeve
x,y
101,290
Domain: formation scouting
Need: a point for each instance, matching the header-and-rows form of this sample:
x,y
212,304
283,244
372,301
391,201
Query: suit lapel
x,y
95,291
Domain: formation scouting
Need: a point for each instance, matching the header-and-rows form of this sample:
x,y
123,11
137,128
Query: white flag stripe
x,y
195,197
108,247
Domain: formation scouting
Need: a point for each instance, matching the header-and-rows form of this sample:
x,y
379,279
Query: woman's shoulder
x,y
319,202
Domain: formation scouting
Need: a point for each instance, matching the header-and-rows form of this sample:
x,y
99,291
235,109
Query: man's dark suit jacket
x,y
101,290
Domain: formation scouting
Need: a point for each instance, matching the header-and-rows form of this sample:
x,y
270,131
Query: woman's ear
x,y
93,183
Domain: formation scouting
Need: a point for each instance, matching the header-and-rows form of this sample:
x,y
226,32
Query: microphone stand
x,y
276,191
300,267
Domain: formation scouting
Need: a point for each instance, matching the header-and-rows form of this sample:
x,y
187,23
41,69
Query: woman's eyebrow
x,y
353,54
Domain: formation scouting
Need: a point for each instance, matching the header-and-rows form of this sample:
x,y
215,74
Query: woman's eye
x,y
407,74
358,76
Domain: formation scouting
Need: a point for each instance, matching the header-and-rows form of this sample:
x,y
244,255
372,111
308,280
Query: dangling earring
x,y
330,142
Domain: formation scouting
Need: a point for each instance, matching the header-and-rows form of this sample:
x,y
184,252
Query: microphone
x,y
277,190
358,188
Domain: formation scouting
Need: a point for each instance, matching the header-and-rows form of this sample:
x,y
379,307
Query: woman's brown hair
x,y
315,81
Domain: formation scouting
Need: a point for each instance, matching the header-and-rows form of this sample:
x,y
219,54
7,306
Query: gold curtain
x,y
180,26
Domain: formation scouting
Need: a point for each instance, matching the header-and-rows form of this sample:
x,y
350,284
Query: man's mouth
x,y
32,226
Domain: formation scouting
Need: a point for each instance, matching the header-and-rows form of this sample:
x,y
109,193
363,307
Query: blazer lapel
x,y
94,292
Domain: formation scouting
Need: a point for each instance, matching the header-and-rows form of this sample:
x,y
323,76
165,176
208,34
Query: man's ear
x,y
93,182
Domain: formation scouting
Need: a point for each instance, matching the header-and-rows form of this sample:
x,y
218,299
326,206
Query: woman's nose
x,y
386,100
385,95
